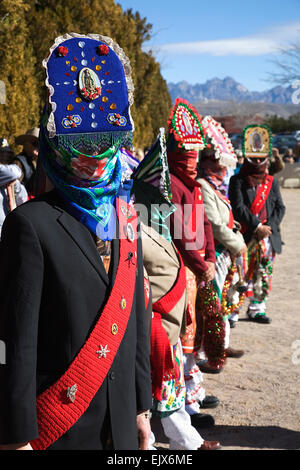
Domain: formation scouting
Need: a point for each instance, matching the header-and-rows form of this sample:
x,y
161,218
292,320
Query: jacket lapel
x,y
250,193
171,250
217,194
115,255
82,237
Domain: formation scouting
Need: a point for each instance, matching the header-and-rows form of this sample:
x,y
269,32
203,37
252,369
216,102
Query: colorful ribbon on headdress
x,y
152,187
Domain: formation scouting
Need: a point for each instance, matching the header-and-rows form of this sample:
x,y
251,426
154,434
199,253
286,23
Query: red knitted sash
x,y
198,199
161,360
62,404
162,364
170,299
262,195
260,198
231,220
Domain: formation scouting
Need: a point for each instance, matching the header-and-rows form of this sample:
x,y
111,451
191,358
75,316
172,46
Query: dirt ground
x,y
260,392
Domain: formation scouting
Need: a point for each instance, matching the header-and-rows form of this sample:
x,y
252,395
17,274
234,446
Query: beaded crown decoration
x,y
218,137
257,141
153,169
90,88
185,126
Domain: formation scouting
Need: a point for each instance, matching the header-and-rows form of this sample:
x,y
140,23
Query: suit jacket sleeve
x,y
9,173
144,321
21,279
276,165
210,252
241,211
184,242
278,211
222,233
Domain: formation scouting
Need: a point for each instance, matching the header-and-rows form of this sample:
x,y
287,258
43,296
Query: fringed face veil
x,y
184,165
253,171
210,169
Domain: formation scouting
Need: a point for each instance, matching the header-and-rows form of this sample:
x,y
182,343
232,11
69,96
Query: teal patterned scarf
x,y
89,184
152,188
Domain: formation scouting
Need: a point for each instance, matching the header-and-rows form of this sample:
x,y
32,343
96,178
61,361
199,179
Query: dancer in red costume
x,y
167,277
192,234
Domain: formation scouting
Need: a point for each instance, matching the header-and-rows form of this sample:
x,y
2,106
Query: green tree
x,y
151,98
36,23
152,102
279,124
17,71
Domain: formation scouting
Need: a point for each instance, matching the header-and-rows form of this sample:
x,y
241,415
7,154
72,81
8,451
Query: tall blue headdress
x,y
86,122
90,88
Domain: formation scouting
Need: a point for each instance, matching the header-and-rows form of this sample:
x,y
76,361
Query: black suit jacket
x,y
52,287
241,197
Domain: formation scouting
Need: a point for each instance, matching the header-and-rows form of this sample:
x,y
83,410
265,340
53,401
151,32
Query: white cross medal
x,y
71,392
102,351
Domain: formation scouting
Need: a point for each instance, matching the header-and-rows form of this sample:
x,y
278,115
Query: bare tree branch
x,y
288,65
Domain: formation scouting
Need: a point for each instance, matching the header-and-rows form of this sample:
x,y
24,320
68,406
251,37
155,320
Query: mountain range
x,y
228,89
225,97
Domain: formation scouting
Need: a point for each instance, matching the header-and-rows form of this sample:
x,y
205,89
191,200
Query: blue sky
x,y
196,40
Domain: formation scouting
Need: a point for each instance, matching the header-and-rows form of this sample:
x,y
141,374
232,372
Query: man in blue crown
x,y
72,314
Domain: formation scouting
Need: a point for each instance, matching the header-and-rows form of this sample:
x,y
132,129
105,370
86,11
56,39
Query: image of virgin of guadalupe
x,y
257,143
187,123
89,84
